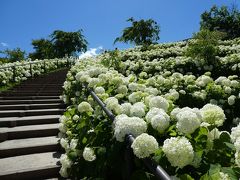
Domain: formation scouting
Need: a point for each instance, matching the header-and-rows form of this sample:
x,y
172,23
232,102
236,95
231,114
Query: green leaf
x,y
230,172
84,140
186,177
225,137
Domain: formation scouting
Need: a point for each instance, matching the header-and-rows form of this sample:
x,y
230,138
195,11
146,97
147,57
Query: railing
x,y
157,170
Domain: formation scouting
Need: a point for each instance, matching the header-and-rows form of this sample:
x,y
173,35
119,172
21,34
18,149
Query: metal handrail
x,y
157,170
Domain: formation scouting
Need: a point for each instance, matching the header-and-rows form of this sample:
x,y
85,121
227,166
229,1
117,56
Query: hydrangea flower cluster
x,y
179,151
158,118
137,109
188,120
129,125
84,107
158,102
88,154
144,145
66,164
213,114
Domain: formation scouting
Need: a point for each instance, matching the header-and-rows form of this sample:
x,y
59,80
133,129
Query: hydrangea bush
x,y
183,113
20,71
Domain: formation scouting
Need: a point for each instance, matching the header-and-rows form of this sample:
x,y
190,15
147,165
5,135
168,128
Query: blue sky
x,y
101,20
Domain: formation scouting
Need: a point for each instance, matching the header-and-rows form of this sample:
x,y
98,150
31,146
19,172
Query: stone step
x,y
33,166
35,112
32,94
31,106
27,97
28,146
55,90
28,120
31,131
36,101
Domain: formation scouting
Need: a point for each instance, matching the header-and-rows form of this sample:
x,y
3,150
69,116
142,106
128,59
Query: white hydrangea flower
x,y
160,122
62,127
227,89
144,145
75,117
77,93
214,134
213,114
231,100
84,107
112,104
234,83
182,92
129,125
235,133
135,97
63,172
73,143
133,86
158,102
224,176
125,108
237,158
88,154
122,89
65,161
236,121
187,121
153,112
137,109
63,119
99,90
237,144
84,78
179,151
64,144
150,90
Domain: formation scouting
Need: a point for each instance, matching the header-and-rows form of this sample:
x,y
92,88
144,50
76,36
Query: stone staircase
x,y
29,117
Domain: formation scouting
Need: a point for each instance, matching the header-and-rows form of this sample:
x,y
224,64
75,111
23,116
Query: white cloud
x,y
91,52
4,44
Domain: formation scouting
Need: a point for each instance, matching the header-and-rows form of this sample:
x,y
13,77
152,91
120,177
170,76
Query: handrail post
x,y
31,71
128,157
14,74
57,63
68,63
44,66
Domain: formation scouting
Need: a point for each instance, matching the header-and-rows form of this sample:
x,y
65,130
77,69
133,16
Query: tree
x,y
222,19
14,55
43,49
68,43
59,45
143,32
205,46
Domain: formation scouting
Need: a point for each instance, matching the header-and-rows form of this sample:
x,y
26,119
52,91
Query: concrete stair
x,y
29,120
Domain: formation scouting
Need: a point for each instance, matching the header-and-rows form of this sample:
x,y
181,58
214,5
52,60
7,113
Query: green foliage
x,y
204,46
68,43
59,45
113,60
3,60
14,55
222,19
143,32
43,49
